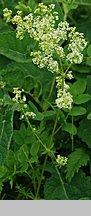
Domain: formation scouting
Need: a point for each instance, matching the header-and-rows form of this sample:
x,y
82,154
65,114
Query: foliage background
x,y
20,152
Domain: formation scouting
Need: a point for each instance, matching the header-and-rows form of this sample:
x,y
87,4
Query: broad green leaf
x,y
23,136
53,189
14,55
76,159
68,127
84,131
13,48
83,98
80,68
78,87
77,110
6,131
79,187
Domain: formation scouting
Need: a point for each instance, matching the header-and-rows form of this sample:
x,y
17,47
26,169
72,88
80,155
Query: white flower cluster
x,y
76,46
41,26
18,98
50,51
64,98
28,114
61,161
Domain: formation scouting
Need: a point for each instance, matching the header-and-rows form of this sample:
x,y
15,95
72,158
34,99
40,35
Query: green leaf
x,y
76,159
89,116
39,116
13,48
32,4
88,61
35,148
79,187
83,98
49,113
80,68
89,50
77,110
68,127
23,136
24,8
23,154
84,131
80,2
78,87
6,130
88,90
53,189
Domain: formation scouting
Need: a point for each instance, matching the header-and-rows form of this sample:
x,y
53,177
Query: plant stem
x,y
52,86
66,196
68,68
61,124
46,157
34,132
61,180
54,128
34,182
42,173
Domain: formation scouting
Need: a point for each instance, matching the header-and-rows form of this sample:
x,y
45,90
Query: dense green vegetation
x,y
45,147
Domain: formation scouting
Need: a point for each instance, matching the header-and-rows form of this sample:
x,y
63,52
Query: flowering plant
x,y
39,104
51,52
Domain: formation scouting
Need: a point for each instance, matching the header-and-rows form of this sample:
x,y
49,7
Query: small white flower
x,y
7,14
61,160
70,75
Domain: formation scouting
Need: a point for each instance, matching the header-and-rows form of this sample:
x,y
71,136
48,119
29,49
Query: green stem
x,y
41,177
51,89
28,122
68,68
61,124
45,160
34,182
65,15
54,128
61,180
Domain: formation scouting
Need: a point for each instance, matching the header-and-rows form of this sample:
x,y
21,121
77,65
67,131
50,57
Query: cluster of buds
x,y
61,161
18,98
